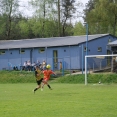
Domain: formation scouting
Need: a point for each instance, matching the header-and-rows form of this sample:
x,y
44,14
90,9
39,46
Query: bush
x,y
28,77
71,79
16,77
91,78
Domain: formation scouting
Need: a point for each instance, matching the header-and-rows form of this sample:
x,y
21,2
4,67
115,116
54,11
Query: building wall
x,y
72,57
68,55
8,57
93,46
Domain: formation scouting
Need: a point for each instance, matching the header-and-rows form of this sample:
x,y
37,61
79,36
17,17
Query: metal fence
x,y
100,64
60,65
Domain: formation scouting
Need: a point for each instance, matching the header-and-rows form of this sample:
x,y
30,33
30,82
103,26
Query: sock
x,y
49,86
35,89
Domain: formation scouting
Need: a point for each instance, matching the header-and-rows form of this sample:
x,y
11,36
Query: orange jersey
x,y
47,73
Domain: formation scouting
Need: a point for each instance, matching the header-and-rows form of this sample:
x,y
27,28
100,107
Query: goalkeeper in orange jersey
x,y
46,77
39,79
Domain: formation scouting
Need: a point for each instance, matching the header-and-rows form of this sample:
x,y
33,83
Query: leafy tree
x,y
36,27
102,18
79,29
2,27
8,10
69,8
69,30
43,11
50,26
89,7
24,28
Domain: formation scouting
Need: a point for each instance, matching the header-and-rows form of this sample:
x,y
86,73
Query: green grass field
x,y
65,100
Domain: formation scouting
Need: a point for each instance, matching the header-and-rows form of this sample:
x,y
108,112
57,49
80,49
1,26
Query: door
x,y
55,59
31,57
109,58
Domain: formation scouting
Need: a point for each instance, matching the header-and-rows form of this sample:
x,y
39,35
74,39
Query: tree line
x,y
101,16
53,18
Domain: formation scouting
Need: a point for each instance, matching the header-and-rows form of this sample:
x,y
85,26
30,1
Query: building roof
x,y
114,43
47,42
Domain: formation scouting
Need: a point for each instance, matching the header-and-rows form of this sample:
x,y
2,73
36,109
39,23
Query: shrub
x,y
16,77
91,78
71,79
28,77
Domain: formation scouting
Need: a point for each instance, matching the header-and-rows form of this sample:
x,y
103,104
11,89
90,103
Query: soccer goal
x,y
100,63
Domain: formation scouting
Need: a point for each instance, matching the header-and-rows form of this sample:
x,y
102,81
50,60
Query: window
x,y
41,50
84,49
99,49
2,52
22,51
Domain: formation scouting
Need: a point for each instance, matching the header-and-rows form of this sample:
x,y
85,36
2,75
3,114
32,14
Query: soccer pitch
x,y
65,100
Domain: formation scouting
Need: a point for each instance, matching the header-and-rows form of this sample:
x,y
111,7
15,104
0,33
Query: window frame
x,y
85,48
22,51
99,49
2,52
41,50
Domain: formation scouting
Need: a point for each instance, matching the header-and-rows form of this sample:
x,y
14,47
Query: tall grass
x,y
29,77
92,78
17,77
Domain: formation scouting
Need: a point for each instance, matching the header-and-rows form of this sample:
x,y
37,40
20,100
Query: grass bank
x,y
28,77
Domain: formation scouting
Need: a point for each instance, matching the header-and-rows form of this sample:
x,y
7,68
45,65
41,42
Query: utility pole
x,y
59,30
86,24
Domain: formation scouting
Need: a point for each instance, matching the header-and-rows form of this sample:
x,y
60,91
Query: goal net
x,y
100,63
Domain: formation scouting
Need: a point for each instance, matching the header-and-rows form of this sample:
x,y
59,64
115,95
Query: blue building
x,y
69,50
113,46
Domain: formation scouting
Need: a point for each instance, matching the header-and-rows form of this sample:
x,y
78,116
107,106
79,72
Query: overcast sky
x,y
27,11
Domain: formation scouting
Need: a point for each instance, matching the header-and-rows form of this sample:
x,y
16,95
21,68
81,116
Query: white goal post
x,y
89,56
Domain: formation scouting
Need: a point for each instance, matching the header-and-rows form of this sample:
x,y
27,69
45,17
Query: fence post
x,y
93,66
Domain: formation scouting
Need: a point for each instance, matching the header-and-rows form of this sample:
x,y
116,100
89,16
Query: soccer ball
x,y
99,82
48,66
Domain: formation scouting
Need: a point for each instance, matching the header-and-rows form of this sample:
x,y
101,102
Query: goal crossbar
x,y
88,56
